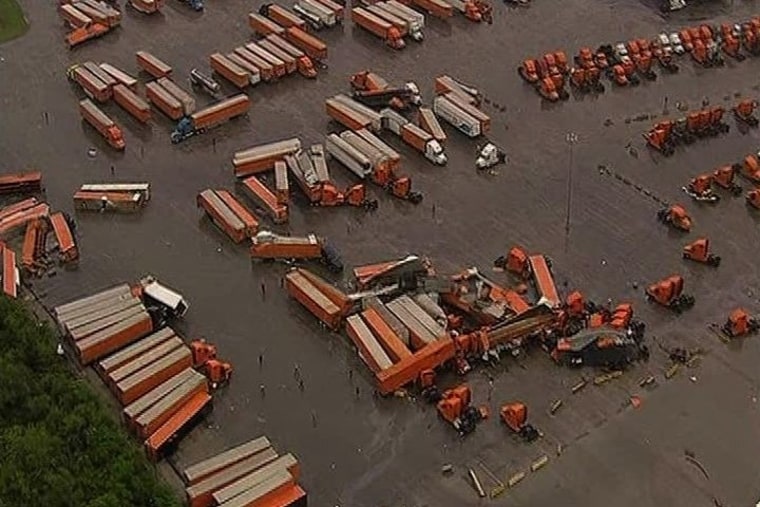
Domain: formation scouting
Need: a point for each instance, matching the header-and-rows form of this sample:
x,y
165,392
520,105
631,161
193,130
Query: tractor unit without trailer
x,y
210,117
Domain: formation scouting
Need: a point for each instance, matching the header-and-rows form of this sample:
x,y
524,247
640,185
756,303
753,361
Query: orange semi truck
x,y
374,24
210,117
102,123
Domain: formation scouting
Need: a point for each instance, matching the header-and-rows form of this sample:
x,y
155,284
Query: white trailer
x,y
411,27
393,121
347,155
316,9
450,113
376,156
409,13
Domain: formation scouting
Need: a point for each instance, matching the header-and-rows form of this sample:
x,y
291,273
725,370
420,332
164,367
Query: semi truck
x,y
438,8
265,69
335,7
408,12
81,35
163,100
152,65
128,202
267,245
146,6
21,183
265,199
187,101
237,227
246,64
228,70
73,16
327,16
423,142
67,247
282,16
379,27
381,163
312,46
367,112
382,11
276,51
353,159
210,117
278,66
263,25
314,21
91,85
206,83
132,103
102,123
281,186
430,123
345,115
467,107
449,112
96,71
304,64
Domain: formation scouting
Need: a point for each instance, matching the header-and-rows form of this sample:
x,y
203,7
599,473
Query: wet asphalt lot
x,y
371,452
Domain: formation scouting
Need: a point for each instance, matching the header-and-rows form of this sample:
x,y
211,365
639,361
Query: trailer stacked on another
x,y
251,473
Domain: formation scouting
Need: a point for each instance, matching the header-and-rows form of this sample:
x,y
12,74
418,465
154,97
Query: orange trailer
x,y
315,301
544,280
264,198
30,182
10,273
66,244
156,443
386,336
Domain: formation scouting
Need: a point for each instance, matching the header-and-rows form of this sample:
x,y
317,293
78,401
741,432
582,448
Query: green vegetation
x,y
58,445
12,21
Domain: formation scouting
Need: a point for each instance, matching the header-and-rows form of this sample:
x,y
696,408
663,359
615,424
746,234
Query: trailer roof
x,y
225,459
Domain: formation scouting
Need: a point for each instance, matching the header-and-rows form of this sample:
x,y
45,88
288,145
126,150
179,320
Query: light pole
x,y
571,138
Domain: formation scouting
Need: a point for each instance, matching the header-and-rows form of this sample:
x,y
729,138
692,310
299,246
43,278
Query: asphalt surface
x,y
367,451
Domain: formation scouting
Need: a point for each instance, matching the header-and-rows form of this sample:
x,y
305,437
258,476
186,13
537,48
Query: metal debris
x,y
515,479
580,385
476,483
539,463
670,372
555,406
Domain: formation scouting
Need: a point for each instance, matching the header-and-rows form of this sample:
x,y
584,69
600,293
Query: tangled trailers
x,y
228,214
250,474
149,372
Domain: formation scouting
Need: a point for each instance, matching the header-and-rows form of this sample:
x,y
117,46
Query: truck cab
x,y
173,302
434,152
415,91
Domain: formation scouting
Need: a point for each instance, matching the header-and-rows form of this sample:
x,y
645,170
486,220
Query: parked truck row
x,y
87,19
162,382
249,474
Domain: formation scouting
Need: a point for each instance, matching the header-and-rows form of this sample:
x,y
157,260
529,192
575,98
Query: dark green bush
x,y
58,446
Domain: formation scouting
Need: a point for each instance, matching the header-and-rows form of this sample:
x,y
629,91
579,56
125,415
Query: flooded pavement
x,y
369,451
